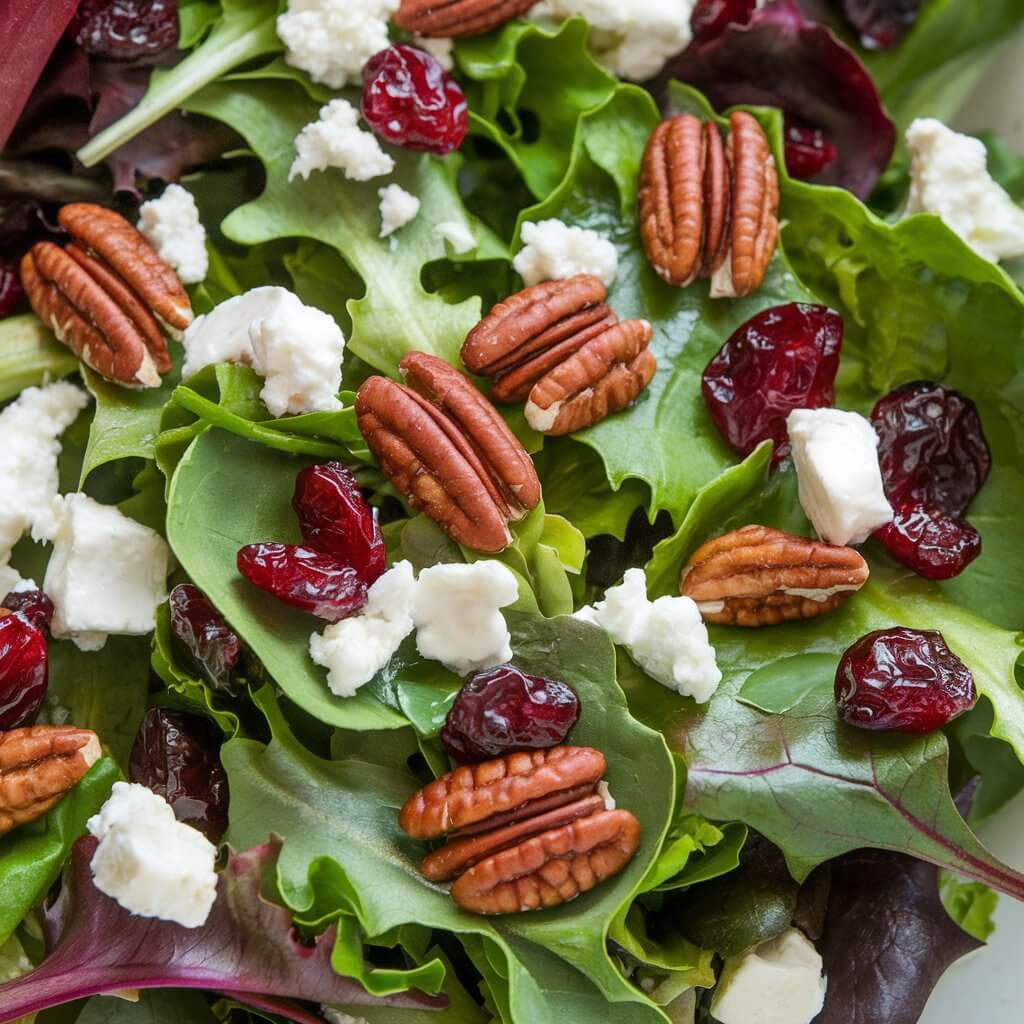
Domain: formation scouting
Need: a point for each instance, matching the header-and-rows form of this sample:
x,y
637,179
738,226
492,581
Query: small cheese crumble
x,y
333,39
354,650
172,225
440,49
336,140
457,235
840,482
542,419
949,177
397,208
297,348
338,1017
151,863
605,793
666,637
553,250
457,611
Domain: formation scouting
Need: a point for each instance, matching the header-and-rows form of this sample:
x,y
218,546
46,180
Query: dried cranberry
x,y
931,449
906,679
306,579
178,756
882,23
808,150
410,100
710,18
12,294
126,29
933,544
23,671
782,359
31,605
212,645
503,709
335,519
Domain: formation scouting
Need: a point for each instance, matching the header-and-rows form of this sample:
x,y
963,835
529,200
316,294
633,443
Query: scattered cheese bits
x,y
172,225
336,140
397,208
553,250
457,235
440,49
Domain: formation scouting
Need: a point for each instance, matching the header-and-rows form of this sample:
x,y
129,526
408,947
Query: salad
x,y
509,510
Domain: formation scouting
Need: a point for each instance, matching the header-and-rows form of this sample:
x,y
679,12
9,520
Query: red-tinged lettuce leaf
x,y
779,59
247,945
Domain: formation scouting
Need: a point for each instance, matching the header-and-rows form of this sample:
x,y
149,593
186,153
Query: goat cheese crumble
x,y
553,250
397,208
336,140
457,235
440,49
172,225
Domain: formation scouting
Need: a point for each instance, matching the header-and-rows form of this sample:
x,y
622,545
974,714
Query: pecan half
x,y
458,17
757,576
39,765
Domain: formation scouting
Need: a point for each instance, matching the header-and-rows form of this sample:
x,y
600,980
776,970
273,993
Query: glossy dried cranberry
x,y
882,23
212,645
335,518
178,756
933,544
808,150
23,671
782,359
503,709
932,449
31,605
906,679
12,294
410,100
126,29
305,579
710,18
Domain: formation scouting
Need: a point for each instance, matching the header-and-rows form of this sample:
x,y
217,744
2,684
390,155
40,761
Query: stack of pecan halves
x,y
709,209
107,295
525,831
453,18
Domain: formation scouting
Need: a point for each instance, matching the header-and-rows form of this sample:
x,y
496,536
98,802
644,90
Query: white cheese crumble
x,y
605,793
397,208
333,39
840,482
172,225
338,1017
457,235
949,177
666,637
336,140
778,982
440,49
354,650
107,573
31,427
542,419
553,250
457,611
151,863
297,348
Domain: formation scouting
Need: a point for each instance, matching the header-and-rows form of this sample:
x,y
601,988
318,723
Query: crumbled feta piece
x,y
632,39
172,224
553,250
397,208
949,177
778,982
297,348
605,793
457,611
151,863
840,482
107,573
337,1017
354,650
457,235
440,49
666,637
336,140
333,39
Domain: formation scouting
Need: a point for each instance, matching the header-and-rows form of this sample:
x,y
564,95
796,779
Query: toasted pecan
x,y
438,18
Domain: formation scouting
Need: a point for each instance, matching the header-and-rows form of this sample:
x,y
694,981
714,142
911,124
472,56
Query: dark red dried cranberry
x,y
932,449
503,709
882,23
23,671
12,294
212,645
335,518
906,679
31,605
303,578
410,100
782,359
126,29
808,150
933,544
178,756
710,18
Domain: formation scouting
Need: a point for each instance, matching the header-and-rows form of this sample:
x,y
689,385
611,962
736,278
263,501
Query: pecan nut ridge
x,y
438,18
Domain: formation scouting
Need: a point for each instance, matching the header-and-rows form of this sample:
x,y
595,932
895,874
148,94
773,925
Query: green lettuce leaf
x,y
30,355
970,904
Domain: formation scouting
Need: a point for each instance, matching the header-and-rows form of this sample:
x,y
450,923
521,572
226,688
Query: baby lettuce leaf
x,y
970,904
30,355
154,1006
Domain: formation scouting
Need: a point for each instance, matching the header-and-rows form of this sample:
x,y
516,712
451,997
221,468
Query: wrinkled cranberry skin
x,y
305,579
782,359
710,18
177,755
24,671
410,100
31,605
126,29
905,679
882,23
503,710
335,518
212,645
12,294
932,449
933,544
808,150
